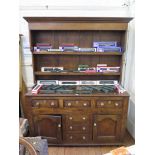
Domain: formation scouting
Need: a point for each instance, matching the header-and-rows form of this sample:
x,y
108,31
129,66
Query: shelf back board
x,y
71,62
80,38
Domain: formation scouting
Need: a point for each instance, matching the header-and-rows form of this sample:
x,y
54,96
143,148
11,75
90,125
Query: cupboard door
x,y
106,128
49,127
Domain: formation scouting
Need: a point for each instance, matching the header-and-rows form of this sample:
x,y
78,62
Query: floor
x,y
87,150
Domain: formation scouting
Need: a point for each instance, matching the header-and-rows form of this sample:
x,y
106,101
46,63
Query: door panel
x,y
48,126
106,128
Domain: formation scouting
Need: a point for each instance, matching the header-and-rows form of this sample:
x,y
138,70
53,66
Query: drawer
x,y
77,103
76,138
70,119
77,128
45,103
109,104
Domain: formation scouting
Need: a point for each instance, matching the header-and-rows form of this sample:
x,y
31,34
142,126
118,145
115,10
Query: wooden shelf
x,y
76,53
72,73
29,93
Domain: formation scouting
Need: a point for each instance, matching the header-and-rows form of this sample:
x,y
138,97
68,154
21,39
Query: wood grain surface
x,y
89,150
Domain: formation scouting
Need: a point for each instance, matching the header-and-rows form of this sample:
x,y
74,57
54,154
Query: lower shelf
x,y
73,73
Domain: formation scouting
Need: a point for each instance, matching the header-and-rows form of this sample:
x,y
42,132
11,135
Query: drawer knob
x,y
69,104
70,118
37,104
71,127
59,125
109,102
52,103
70,137
116,104
83,137
83,128
76,102
84,104
94,124
102,103
84,118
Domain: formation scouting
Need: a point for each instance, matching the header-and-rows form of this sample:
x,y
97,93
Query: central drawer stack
x,y
77,125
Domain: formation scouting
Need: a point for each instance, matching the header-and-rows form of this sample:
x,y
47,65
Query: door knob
x,y
59,125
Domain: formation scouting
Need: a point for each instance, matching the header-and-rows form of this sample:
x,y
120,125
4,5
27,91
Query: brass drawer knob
x,y
70,137
84,104
109,102
76,102
71,127
83,128
59,125
116,104
37,104
69,104
84,137
102,103
84,118
70,118
94,124
52,103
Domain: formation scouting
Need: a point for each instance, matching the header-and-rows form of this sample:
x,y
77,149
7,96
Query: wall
x,y
129,73
87,8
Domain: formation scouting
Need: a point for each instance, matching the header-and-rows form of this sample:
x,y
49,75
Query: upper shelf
x,y
76,53
76,19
